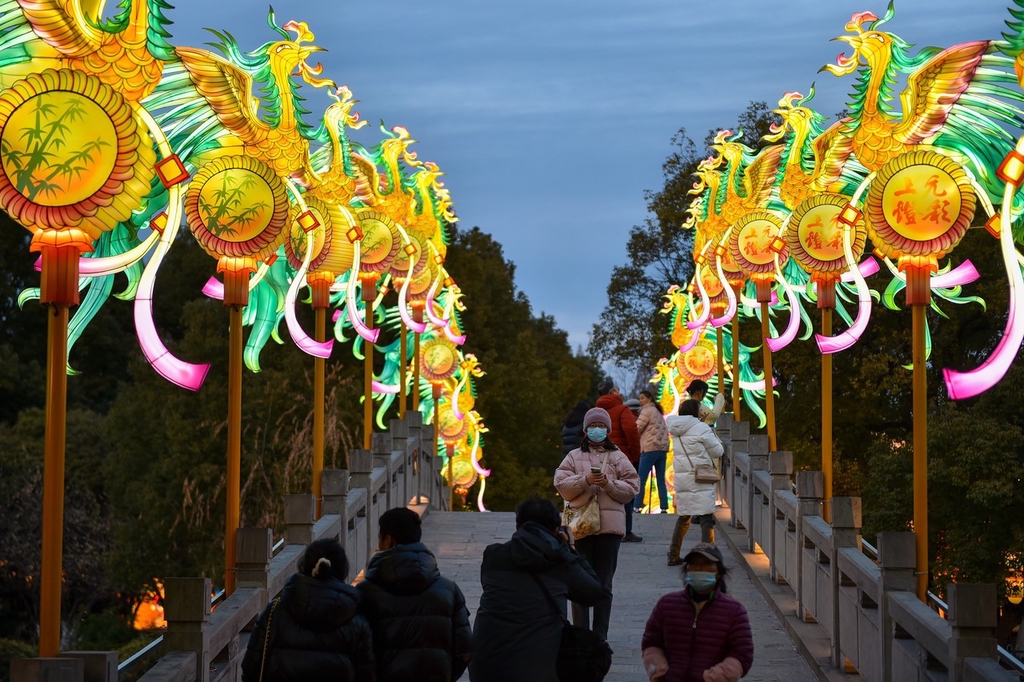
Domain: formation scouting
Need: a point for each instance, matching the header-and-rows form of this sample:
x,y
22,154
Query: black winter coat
x,y
517,633
316,633
572,437
419,618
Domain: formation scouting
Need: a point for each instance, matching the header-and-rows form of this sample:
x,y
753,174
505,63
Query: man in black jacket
x,y
517,632
419,618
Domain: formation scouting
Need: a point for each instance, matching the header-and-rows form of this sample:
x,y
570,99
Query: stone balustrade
x,y
203,642
876,625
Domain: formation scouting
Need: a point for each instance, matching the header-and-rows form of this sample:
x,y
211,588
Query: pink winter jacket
x,y
653,432
692,642
623,485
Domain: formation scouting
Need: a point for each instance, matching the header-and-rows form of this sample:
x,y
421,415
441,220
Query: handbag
x,y
702,473
582,655
586,519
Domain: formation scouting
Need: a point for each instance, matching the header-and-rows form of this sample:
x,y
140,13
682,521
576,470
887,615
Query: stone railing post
x,y
415,421
399,441
299,517
780,467
47,670
255,549
810,489
382,446
897,559
187,611
335,491
846,524
723,429
757,450
361,463
98,666
739,432
972,616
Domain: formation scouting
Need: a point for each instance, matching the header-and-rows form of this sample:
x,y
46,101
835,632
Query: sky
x,y
550,118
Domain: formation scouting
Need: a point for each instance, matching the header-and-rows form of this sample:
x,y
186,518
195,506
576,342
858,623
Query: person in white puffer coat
x,y
695,502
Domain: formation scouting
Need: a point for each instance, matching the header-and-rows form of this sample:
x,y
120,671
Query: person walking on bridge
x,y
598,468
419,618
693,443
625,436
699,634
313,630
516,635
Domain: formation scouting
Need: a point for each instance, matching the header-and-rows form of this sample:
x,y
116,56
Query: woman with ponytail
x,y
312,630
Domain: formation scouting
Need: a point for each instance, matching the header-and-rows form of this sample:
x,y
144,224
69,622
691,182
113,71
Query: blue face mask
x,y
701,581
597,433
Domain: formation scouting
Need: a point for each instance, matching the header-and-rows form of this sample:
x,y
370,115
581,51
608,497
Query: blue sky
x,y
551,117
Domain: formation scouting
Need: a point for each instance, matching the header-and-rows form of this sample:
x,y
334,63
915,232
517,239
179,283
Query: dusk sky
x,y
551,117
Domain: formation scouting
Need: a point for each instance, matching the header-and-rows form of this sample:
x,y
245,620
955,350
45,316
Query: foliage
x,y
532,378
12,648
631,331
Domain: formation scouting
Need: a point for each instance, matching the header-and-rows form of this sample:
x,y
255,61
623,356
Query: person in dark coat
x,y
419,618
572,427
699,634
517,634
313,630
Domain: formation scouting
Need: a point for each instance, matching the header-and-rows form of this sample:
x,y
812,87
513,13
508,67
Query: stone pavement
x,y
458,540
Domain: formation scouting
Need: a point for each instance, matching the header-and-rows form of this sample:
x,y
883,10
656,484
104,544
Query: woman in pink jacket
x,y
653,448
598,468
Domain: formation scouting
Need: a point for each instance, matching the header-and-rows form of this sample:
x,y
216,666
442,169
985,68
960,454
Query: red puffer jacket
x,y
694,642
624,433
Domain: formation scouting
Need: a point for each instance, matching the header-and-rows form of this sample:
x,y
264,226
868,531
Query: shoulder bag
x,y
266,638
702,473
582,655
586,519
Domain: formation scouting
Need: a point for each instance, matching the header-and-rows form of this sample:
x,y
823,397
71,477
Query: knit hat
x,y
633,404
597,415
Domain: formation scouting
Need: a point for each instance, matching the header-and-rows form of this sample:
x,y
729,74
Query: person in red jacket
x,y
624,435
699,634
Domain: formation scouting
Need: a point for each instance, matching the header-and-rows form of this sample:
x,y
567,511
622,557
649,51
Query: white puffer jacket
x,y
697,439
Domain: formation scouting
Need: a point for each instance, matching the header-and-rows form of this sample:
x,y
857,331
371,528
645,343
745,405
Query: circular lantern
x,y
700,362
919,207
413,251
450,428
318,216
419,285
339,252
237,207
74,156
753,244
815,236
381,241
439,359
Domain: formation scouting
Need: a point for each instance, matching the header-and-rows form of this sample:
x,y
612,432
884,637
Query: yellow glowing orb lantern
x,y
700,362
754,243
815,240
75,161
380,243
439,360
316,224
918,208
237,209
450,427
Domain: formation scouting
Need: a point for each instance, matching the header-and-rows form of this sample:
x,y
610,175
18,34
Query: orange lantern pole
x,y
321,300
417,315
59,291
919,298
369,296
450,452
736,361
719,339
403,349
764,292
826,302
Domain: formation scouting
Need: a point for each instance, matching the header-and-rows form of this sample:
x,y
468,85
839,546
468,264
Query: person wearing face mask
x,y
698,634
598,468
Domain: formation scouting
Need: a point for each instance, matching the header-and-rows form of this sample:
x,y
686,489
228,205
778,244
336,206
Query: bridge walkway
x,y
458,540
